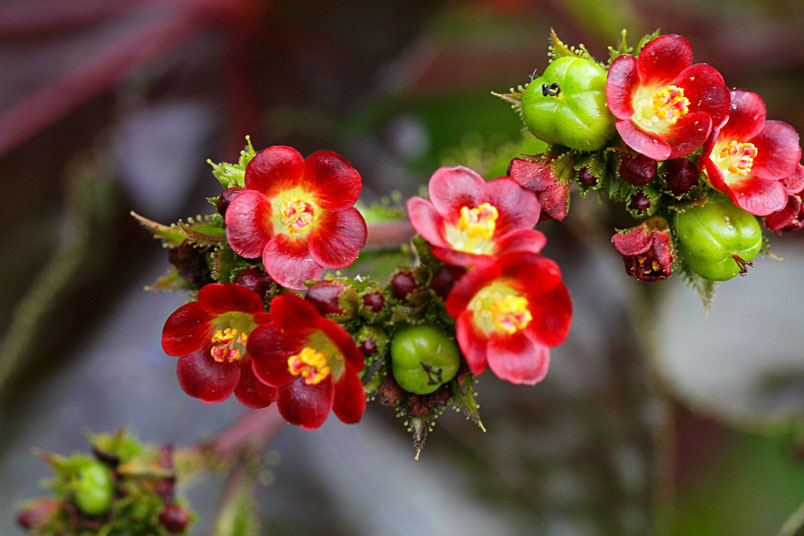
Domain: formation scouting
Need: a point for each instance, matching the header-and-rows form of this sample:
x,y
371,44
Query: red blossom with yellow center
x,y
469,221
665,106
311,361
210,338
297,215
509,313
749,158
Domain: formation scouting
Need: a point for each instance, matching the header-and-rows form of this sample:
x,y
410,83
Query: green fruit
x,y
710,236
423,358
93,488
567,105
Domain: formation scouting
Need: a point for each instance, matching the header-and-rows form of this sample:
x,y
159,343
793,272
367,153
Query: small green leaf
x,y
560,50
170,235
233,175
622,48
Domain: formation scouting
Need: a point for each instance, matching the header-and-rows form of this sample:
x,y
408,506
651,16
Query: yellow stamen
x,y
228,345
478,222
670,104
297,214
738,157
310,364
510,314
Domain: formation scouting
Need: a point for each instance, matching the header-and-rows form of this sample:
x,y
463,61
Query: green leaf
x,y
233,175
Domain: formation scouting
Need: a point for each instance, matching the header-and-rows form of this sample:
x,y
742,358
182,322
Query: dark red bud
x,y
191,263
445,278
681,176
255,279
226,197
329,298
403,284
640,202
36,515
637,169
374,301
586,178
174,518
368,347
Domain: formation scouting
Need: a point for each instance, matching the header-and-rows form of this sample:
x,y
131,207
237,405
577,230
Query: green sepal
x,y
463,397
225,264
647,38
170,235
234,175
238,515
595,163
622,48
654,197
704,287
514,98
204,230
172,281
558,49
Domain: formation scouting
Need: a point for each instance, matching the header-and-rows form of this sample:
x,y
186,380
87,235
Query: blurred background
x,y
654,419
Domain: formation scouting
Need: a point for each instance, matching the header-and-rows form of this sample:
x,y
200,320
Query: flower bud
x,y
374,301
586,177
174,518
372,341
255,279
637,169
646,249
403,285
445,278
680,175
191,263
37,514
640,202
225,198
333,299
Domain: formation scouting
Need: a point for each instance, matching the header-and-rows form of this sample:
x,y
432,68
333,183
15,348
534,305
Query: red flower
x,y
209,336
665,107
748,157
538,175
509,313
311,360
791,217
468,221
646,249
297,214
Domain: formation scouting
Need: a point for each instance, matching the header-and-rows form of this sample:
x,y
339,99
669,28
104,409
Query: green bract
x,y
567,105
711,235
94,489
423,358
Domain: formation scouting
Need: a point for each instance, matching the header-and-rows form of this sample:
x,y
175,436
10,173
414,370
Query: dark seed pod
x,y
640,202
255,279
681,176
637,169
225,198
586,177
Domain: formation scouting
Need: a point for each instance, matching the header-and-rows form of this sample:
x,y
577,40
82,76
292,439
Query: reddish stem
x,y
389,234
252,431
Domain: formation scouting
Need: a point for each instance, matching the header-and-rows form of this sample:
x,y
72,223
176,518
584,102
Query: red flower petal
x,y
525,240
288,311
187,330
778,151
248,224
552,316
288,261
746,117
306,405
517,359
555,201
274,169
758,196
221,298
643,142
472,342
660,62
460,258
786,217
427,221
343,341
350,399
517,208
794,183
635,242
536,176
453,188
706,91
202,377
336,240
251,392
332,179
689,133
269,347
469,285
622,79
533,274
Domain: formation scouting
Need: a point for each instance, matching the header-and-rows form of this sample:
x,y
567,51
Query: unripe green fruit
x,y
423,358
94,489
711,235
567,105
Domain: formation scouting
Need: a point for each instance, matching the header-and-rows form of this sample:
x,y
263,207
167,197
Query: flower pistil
x,y
738,158
479,222
228,345
310,364
298,214
510,314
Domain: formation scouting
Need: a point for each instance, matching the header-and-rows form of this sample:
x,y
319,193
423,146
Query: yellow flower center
x,y
738,157
478,222
297,214
510,314
670,104
228,345
310,364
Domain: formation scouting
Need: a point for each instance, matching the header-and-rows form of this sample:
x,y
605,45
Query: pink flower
x,y
468,221
748,157
297,214
791,216
665,107
646,249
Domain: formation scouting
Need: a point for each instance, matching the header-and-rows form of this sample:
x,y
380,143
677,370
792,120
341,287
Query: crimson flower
x,y
508,314
468,221
311,361
538,175
748,157
297,214
665,107
210,336
646,249
791,216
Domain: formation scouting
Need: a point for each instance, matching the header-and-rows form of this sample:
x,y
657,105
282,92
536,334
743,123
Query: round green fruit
x,y
716,239
423,358
94,489
567,105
